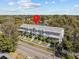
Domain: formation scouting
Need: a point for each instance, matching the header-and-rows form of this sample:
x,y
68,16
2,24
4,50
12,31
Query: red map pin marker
x,y
36,19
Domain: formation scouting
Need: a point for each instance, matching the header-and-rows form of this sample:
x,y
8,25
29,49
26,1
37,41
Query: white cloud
x,y
11,3
75,8
46,2
53,2
63,0
25,4
28,4
77,5
49,2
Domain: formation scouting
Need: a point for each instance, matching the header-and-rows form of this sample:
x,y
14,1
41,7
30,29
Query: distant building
x,y
52,32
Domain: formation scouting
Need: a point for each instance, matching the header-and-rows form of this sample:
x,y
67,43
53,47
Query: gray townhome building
x,y
52,32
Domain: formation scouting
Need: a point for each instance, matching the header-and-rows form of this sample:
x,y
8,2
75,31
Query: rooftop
x,y
45,28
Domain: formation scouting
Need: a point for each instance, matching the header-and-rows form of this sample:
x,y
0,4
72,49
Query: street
x,y
33,51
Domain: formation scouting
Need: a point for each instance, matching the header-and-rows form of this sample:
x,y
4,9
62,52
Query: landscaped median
x,y
41,46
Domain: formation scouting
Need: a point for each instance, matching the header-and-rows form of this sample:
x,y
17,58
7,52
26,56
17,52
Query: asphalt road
x,y
32,51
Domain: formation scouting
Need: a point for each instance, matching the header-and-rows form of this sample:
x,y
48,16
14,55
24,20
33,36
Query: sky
x,y
39,7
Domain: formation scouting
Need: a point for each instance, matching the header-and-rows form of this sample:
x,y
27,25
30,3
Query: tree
x,y
76,46
67,45
7,44
8,28
62,57
70,56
